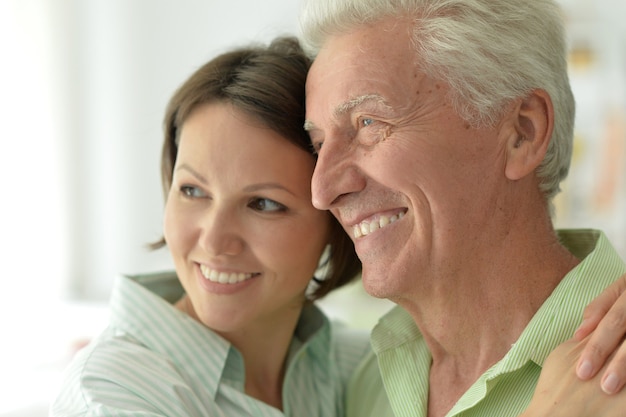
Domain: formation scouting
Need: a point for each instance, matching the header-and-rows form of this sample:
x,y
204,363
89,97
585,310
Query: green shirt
x,y
154,360
400,360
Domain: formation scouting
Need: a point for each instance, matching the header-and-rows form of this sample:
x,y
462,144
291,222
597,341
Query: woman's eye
x,y
265,204
192,192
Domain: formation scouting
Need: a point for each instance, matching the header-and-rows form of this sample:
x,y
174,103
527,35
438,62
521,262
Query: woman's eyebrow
x,y
186,167
267,186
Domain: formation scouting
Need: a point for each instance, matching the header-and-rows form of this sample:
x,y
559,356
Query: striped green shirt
x,y
401,356
154,360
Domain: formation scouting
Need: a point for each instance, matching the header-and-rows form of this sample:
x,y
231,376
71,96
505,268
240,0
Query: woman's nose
x,y
221,234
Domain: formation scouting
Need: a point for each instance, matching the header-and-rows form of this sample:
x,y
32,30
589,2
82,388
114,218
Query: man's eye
x,y
371,131
192,192
265,204
317,147
366,121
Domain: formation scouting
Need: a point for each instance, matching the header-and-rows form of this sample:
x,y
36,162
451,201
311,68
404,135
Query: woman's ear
x,y
534,123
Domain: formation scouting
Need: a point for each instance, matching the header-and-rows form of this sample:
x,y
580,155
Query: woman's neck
x,y
264,346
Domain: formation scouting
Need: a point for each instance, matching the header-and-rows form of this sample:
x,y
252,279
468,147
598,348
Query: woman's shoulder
x,y
115,369
118,357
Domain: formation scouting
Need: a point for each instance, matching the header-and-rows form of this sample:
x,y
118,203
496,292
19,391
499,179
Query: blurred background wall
x,y
83,87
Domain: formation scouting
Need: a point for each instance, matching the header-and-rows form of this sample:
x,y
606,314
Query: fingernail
x,y
584,370
609,384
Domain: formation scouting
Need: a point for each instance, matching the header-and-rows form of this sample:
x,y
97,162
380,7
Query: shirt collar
x,y
141,306
157,324
561,313
393,329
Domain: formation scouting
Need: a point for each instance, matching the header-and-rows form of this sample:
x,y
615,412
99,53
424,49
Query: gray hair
x,y
490,52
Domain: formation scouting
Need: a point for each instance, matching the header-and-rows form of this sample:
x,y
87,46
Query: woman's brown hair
x,y
267,83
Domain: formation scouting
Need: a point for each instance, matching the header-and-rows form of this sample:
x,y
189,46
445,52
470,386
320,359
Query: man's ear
x,y
534,122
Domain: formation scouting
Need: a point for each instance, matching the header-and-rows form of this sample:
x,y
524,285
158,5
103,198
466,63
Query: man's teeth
x,y
365,228
223,277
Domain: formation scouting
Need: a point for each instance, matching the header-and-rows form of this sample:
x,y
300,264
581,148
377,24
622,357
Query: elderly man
x,y
444,129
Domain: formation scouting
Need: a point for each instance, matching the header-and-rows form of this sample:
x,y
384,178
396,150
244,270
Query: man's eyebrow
x,y
309,125
351,104
354,102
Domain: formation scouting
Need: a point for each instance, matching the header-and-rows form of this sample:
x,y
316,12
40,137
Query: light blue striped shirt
x,y
401,355
154,360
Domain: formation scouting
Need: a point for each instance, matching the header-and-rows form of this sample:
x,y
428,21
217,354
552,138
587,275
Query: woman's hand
x,y
605,321
559,393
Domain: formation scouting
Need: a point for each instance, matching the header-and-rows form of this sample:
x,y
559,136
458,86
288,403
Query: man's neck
x,y
470,322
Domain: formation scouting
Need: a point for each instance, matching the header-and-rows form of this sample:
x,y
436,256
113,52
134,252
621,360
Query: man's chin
x,y
376,283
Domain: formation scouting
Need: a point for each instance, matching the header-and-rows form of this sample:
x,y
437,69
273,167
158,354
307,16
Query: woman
x,y
245,338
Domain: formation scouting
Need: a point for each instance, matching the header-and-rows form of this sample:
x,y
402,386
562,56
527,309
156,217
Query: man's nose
x,y
336,174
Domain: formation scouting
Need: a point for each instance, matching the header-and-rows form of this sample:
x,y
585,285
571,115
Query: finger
x,y
603,342
598,308
614,377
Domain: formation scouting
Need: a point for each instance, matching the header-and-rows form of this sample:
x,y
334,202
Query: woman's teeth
x,y
223,277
